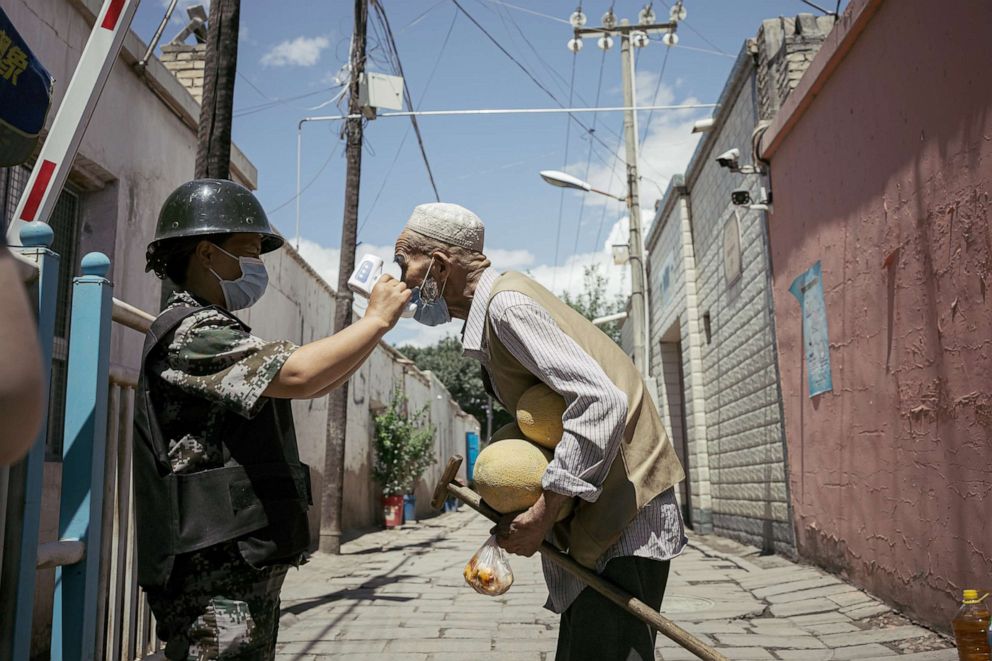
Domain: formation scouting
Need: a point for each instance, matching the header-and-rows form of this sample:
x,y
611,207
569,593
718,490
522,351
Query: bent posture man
x,y
614,458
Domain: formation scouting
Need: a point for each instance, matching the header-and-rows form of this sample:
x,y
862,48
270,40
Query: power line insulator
x,y
605,42
575,44
609,20
577,19
639,38
670,39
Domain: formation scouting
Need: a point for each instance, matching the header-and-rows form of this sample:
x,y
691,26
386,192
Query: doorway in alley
x,y
674,411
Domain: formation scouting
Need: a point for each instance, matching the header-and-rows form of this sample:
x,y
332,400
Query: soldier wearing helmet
x,y
222,494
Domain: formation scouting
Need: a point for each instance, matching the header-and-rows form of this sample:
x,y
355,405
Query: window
x,y
65,222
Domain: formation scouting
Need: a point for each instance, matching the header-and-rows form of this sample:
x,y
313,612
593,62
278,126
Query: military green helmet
x,y
203,207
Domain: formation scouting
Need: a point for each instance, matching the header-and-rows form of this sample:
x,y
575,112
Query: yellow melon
x,y
539,412
508,474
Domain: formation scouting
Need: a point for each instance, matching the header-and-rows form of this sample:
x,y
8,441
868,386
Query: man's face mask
x,y
246,290
432,310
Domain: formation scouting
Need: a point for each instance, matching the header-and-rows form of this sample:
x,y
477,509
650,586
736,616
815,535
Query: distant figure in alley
x,y
221,492
614,459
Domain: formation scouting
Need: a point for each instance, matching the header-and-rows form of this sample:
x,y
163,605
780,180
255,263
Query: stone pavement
x,y
399,596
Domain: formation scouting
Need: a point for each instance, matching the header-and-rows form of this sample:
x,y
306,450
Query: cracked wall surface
x,y
886,179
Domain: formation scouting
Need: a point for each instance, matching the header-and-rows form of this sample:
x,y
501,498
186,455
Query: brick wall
x,y
744,426
675,346
786,46
186,63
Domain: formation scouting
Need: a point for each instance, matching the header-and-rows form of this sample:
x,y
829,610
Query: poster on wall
x,y
808,290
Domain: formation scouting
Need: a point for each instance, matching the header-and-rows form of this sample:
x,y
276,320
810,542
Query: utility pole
x,y
332,498
213,151
638,274
631,36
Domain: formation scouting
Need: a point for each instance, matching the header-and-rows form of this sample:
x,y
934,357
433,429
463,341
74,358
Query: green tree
x,y
593,301
404,446
461,375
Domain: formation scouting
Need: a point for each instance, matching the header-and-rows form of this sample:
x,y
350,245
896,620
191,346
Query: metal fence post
x,y
25,483
76,586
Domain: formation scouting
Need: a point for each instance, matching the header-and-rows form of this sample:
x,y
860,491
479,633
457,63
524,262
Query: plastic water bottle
x,y
971,628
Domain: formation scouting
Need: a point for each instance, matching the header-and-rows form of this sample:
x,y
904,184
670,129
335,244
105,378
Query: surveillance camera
x,y
729,159
741,197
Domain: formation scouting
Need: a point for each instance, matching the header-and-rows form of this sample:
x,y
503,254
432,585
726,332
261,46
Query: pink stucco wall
x,y
886,177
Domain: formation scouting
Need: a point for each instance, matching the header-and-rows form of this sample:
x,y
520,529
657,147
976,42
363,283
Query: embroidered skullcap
x,y
451,223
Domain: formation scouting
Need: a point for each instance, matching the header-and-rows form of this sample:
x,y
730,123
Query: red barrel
x,y
392,510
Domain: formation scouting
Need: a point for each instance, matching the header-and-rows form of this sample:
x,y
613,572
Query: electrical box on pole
x,y
378,90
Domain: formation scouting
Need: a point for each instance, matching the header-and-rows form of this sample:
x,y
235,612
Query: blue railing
x,y
98,611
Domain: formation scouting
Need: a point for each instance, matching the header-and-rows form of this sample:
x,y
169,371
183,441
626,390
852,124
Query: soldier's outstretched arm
x,y
315,368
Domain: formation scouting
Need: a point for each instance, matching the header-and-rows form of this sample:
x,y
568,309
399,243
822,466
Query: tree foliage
x,y
462,376
404,446
593,301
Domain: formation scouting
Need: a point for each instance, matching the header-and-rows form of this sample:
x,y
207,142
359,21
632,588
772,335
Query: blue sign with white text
x,y
25,95
808,289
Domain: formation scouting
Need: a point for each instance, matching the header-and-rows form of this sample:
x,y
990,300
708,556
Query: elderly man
x,y
614,458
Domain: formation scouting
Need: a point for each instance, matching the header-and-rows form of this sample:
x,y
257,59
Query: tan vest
x,y
646,464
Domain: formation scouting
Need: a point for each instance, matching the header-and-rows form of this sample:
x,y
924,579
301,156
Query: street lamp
x,y
565,180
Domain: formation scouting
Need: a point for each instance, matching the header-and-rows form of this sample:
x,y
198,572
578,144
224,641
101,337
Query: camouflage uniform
x,y
215,605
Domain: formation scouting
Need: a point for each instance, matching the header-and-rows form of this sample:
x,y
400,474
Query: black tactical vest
x,y
260,497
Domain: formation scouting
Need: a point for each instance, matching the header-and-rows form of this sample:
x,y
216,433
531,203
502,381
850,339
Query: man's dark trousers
x,y
593,628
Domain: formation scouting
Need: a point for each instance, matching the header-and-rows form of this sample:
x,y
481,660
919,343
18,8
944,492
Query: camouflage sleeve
x,y
212,357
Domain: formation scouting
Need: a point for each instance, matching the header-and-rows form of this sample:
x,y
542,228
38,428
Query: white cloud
x,y
301,52
664,152
510,260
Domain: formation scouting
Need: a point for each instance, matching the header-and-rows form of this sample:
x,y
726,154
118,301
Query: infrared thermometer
x,y
366,274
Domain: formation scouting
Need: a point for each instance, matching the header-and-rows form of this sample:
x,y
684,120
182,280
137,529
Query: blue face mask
x,y
432,310
246,290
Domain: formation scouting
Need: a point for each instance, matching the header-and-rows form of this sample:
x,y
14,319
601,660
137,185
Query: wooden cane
x,y
620,597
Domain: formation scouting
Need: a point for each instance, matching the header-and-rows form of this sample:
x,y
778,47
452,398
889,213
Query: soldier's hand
x,y
389,297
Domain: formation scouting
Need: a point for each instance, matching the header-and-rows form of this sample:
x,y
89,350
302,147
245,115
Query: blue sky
x,y
488,164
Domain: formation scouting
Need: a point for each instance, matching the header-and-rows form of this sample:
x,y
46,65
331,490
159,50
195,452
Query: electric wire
x,y
310,183
654,97
420,17
281,101
528,11
406,134
582,205
523,68
391,41
697,32
556,74
561,199
815,6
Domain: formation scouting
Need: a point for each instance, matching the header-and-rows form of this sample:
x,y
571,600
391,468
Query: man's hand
x,y
521,533
388,300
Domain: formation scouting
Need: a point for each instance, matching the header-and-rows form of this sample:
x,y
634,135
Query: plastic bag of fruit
x,y
488,572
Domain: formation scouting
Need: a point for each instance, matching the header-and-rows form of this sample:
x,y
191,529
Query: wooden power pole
x,y
337,414
213,152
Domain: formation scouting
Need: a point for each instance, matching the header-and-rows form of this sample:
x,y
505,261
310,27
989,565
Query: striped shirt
x,y
594,423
